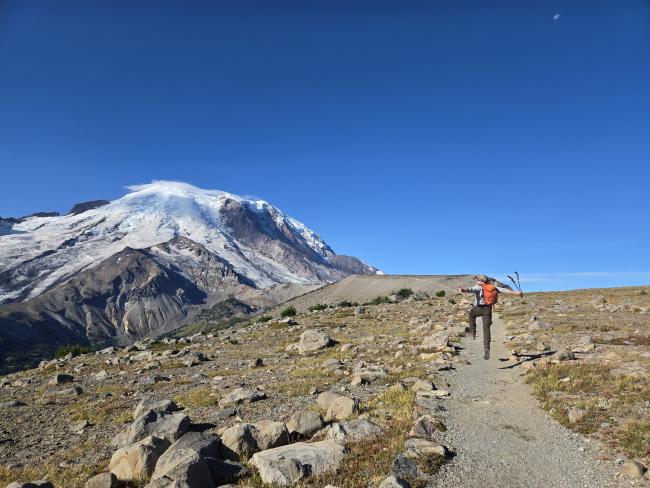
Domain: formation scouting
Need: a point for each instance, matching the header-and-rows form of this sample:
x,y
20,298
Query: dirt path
x,y
501,436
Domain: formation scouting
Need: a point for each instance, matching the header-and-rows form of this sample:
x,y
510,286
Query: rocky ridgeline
x,y
279,402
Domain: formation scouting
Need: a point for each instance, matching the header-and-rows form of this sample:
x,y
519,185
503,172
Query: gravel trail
x,y
500,435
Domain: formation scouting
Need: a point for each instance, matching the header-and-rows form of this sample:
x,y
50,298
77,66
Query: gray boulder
x,y
289,464
337,407
353,431
169,426
137,461
241,395
426,426
61,379
194,460
304,424
159,406
245,439
312,340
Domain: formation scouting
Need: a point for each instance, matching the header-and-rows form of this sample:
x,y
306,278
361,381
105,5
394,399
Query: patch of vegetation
x,y
75,349
200,397
289,311
452,301
600,398
634,439
113,410
368,462
347,304
378,300
74,476
317,308
263,318
441,293
403,293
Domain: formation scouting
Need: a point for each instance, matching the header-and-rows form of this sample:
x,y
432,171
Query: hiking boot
x,y
486,355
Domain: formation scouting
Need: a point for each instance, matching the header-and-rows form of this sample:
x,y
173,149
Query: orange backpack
x,y
490,294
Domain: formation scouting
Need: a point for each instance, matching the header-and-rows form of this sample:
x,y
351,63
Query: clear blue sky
x,y
425,137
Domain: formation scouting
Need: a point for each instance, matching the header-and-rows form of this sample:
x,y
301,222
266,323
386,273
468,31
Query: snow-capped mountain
x,y
259,241
145,264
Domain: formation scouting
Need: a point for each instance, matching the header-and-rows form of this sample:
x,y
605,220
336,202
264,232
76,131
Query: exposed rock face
x,y
85,206
288,464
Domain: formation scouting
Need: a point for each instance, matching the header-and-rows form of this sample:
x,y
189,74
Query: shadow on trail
x,y
527,358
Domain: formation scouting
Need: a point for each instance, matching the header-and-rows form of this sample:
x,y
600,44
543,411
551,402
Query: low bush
x,y
404,293
75,349
378,301
441,293
290,311
264,318
318,307
346,303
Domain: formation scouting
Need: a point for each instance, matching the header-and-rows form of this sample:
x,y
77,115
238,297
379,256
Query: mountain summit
x,y
140,265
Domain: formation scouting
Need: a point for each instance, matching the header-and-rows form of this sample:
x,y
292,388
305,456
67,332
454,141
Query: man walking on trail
x,y
486,295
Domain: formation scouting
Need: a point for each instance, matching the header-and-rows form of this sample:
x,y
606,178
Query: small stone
x,y
632,469
393,482
104,480
78,427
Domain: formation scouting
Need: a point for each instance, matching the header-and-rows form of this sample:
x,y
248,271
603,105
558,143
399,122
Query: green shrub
x,y
452,301
290,311
264,318
317,307
441,293
75,349
404,293
378,301
346,303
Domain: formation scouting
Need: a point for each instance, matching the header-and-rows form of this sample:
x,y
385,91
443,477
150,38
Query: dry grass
x,y
602,397
108,411
201,397
72,477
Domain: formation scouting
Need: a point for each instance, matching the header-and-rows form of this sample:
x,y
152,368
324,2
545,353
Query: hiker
x,y
486,295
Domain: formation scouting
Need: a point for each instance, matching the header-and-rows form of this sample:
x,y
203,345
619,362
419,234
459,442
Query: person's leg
x,y
473,313
487,323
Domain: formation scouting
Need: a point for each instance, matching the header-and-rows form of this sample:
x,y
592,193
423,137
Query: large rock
x,y
104,480
159,406
304,424
245,439
337,407
137,461
169,426
353,431
312,340
241,395
367,373
239,440
194,460
270,434
289,464
426,426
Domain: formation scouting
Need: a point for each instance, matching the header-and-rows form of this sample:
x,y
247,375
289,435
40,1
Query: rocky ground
x,y
346,396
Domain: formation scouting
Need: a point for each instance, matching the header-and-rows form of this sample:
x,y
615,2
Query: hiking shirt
x,y
478,293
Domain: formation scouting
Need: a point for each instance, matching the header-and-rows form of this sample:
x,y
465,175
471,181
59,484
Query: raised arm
x,y
505,291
